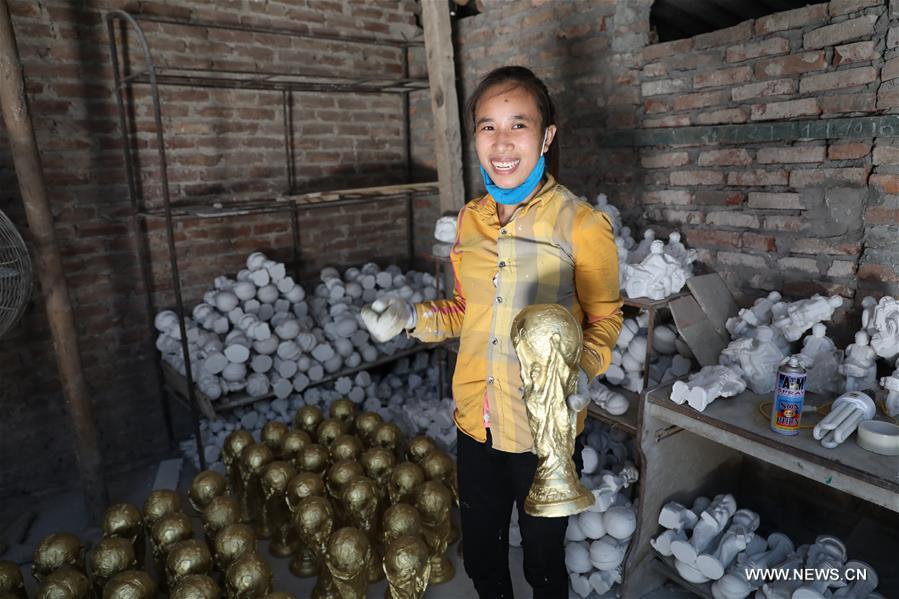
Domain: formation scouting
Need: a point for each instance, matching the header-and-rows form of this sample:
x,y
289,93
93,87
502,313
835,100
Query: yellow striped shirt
x,y
556,249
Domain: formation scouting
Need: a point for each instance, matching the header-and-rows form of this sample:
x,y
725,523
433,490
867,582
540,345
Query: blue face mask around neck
x,y
516,195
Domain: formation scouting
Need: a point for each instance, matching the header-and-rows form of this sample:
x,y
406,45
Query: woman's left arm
x,y
596,282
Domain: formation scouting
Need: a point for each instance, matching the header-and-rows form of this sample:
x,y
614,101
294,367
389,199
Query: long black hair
x,y
525,78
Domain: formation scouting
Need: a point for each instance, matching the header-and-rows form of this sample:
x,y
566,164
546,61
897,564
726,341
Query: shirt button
x,y
503,231
495,341
489,380
502,264
499,300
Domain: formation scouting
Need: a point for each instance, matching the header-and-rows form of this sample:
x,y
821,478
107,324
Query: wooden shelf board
x,y
665,566
645,302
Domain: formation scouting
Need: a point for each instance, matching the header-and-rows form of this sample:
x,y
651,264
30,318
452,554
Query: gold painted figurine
x,y
314,521
130,584
159,503
312,458
377,463
293,444
232,542
360,500
329,430
343,409
273,435
205,486
365,424
220,512
433,503
249,577
389,436
65,583
548,341
165,534
12,583
407,565
438,465
405,478
307,419
301,486
346,447
337,477
400,520
253,459
348,561
123,520
57,550
276,513
196,586
110,556
185,558
419,447
231,450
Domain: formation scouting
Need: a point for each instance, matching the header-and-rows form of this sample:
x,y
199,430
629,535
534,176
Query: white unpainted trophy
x,y
757,359
707,385
643,248
715,560
614,214
804,314
891,384
711,522
884,327
859,365
657,276
821,359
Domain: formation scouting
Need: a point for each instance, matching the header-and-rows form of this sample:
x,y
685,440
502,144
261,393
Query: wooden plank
x,y
736,423
444,103
842,128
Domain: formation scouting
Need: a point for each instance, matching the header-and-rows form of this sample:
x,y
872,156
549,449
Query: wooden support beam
x,y
48,264
444,103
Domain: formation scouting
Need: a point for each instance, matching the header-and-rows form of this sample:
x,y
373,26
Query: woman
x,y
528,241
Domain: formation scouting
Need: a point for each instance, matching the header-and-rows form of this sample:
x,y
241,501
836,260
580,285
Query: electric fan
x,y
15,275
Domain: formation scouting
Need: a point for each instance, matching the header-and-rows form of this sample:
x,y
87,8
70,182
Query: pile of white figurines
x,y
669,359
596,540
407,396
763,336
652,268
714,541
262,334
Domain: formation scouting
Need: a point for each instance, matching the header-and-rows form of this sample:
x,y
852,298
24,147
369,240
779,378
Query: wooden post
x,y
48,264
444,103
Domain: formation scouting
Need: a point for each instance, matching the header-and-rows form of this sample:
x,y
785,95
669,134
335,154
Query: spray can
x,y
789,394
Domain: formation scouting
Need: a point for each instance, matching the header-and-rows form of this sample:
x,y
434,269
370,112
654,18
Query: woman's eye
x,y
487,128
518,126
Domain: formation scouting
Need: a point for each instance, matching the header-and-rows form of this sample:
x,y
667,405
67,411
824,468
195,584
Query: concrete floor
x,y
64,512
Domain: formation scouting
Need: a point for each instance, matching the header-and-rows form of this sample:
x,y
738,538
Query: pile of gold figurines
x,y
346,498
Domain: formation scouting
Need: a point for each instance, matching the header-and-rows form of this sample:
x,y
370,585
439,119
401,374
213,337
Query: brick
x,y
818,177
757,177
878,273
653,106
697,238
837,80
664,86
831,35
890,70
848,151
682,120
671,197
727,115
789,19
795,64
709,197
740,259
721,77
758,242
886,183
893,37
856,52
700,100
785,110
783,223
673,48
732,218
768,47
841,104
762,89
675,217
774,201
724,157
815,245
655,69
841,268
842,7
884,154
879,215
697,178
887,98
737,33
806,265
791,154
665,160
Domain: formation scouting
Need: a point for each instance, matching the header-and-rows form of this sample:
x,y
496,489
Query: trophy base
x,y
442,570
548,500
280,549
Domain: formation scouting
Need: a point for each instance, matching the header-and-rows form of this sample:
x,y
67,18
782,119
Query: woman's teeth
x,y
505,166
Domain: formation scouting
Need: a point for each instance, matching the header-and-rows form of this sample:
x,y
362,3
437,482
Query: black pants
x,y
490,481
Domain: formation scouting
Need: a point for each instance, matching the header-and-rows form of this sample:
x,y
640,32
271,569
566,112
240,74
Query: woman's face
x,y
508,134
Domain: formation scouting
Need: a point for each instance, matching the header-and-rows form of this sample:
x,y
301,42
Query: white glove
x,y
386,320
578,400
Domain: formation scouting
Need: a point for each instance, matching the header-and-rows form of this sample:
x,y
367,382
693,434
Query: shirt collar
x,y
486,206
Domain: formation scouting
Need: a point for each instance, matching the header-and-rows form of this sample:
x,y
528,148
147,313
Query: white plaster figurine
x,y
713,562
445,229
705,386
847,411
612,402
804,314
642,251
891,384
757,358
679,252
656,277
614,214
859,366
749,318
711,522
678,521
885,326
821,359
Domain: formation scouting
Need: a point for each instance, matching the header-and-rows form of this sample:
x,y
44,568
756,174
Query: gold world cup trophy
x,y
232,542
109,556
273,435
307,419
348,560
57,550
221,511
231,450
123,520
365,425
407,565
65,583
301,486
276,513
403,483
187,557
196,586
346,447
314,521
249,577
343,409
548,342
253,459
360,500
165,534
130,584
12,583
293,444
205,486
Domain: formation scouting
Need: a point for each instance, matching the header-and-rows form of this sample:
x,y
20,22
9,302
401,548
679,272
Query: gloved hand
x,y
387,319
579,400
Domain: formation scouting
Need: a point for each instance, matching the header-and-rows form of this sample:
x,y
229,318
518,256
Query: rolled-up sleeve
x,y
597,285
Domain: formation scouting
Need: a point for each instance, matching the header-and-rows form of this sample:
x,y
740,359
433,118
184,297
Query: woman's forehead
x,y
509,94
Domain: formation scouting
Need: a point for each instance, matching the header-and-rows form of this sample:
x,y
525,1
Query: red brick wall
x,y
798,215
219,143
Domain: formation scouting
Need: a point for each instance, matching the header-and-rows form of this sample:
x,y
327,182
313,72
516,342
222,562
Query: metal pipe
x,y
17,118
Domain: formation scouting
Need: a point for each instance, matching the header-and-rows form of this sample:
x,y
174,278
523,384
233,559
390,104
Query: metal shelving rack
x,y
118,24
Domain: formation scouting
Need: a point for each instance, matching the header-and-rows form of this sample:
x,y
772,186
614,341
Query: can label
x,y
789,395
